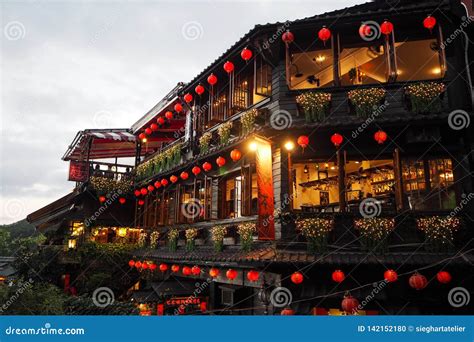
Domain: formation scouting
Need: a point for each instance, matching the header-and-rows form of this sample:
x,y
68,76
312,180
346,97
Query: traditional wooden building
x,y
314,162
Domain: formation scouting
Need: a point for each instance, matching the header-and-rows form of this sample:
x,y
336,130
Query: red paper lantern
x,y
178,107
324,34
188,97
163,267
137,193
187,270
122,200
169,115
337,139
173,179
390,276
246,54
212,79
229,67
297,278
153,266
220,161
150,188
380,136
138,264
157,184
338,276
365,31
196,170
303,141
287,312
207,166
141,202
164,182
184,175
148,131
429,22
231,274
199,89
196,270
142,136
131,263
102,199
144,265
288,37
174,268
253,275
444,277
143,191
161,121
214,272
154,126
235,155
350,304
418,281
386,28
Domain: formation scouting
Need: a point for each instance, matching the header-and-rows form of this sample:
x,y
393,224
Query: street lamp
x,y
289,146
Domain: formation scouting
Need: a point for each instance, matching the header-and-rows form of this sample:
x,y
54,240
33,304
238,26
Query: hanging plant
x,y
367,101
425,97
154,236
315,105
224,132
248,120
246,231
374,232
438,231
204,142
160,162
173,235
191,234
217,235
103,185
142,239
316,231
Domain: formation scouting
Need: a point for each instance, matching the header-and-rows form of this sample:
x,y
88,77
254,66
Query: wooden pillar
x,y
397,167
341,163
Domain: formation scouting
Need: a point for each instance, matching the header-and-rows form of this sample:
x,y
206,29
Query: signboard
x,y
78,171
263,160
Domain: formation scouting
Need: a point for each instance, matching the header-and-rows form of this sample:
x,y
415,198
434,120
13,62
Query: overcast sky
x,y
72,65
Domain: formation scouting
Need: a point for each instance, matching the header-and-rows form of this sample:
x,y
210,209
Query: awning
x,y
109,143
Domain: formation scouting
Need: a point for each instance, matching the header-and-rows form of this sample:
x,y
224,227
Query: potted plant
x,y
191,234
424,97
439,232
374,232
217,235
248,121
224,131
315,105
366,101
204,142
316,231
246,231
173,235
154,236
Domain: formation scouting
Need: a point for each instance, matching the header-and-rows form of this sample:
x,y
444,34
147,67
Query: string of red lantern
x,y
246,54
324,34
386,27
337,139
380,136
288,37
220,161
235,155
429,22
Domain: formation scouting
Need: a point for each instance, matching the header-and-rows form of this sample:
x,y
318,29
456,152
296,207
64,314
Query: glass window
x,y
312,69
418,60
232,197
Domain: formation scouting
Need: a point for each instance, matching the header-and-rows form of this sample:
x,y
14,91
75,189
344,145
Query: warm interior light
x,y
320,58
436,71
253,146
144,140
289,145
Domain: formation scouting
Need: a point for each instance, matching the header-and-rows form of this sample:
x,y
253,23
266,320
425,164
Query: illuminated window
x,y
312,69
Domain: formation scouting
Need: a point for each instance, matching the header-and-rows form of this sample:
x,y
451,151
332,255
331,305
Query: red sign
x,y
78,171
183,301
266,207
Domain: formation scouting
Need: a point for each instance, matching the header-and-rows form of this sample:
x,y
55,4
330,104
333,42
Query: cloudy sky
x,y
72,65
